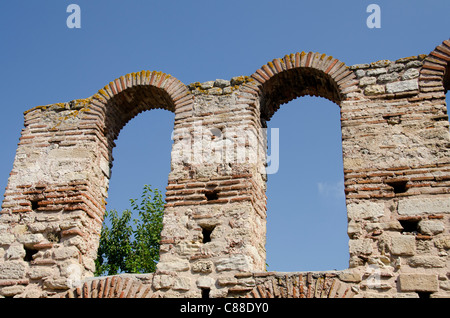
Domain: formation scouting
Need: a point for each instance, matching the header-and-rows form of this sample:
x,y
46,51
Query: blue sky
x,y
42,61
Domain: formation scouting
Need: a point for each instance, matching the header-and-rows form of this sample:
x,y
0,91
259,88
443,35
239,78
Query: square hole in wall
x,y
34,204
206,232
205,292
410,225
398,186
211,195
29,252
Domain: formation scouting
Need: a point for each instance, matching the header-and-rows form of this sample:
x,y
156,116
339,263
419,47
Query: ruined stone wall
x,y
395,141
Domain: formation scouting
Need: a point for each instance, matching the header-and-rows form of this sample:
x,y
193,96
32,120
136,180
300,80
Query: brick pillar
x,y
396,160
55,200
214,223
52,213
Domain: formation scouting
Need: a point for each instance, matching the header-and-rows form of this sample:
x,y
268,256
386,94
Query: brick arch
x,y
296,75
436,69
301,285
111,287
116,104
125,97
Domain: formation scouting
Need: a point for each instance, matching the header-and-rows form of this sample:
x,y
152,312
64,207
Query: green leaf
x,y
124,249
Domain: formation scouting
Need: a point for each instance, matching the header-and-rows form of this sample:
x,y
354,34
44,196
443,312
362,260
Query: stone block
x,y
410,74
389,77
227,90
426,261
19,229
173,265
350,276
443,242
15,251
402,86
221,83
391,226
365,210
215,91
367,81
207,85
65,252
376,72
417,206
419,282
360,73
58,283
205,282
396,67
188,248
374,90
431,227
40,272
381,63
227,281
30,239
359,66
236,262
445,285
403,245
7,238
13,270
12,290
162,281
202,267
363,246
353,228
414,64
237,80
182,283
246,282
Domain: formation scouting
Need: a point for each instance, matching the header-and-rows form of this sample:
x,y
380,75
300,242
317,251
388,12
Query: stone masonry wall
x,y
395,141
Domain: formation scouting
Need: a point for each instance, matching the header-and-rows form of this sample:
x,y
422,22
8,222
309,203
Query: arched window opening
x,y
306,211
141,157
142,154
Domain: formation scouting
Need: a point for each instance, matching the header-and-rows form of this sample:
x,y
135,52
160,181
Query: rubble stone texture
x,y
395,141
